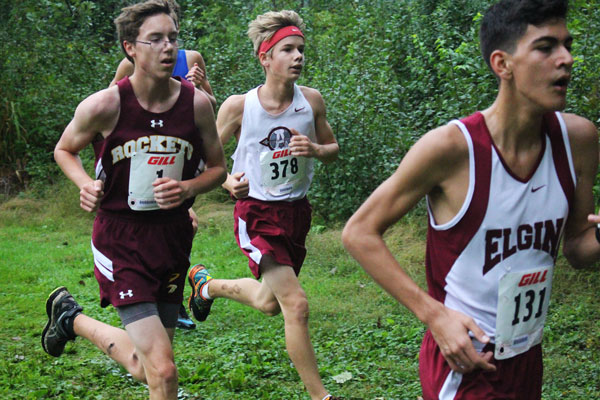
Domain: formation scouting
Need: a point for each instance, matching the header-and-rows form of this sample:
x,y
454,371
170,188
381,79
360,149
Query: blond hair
x,y
265,26
131,18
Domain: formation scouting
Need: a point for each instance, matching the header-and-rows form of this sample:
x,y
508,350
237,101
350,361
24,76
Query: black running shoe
x,y
198,277
61,308
183,320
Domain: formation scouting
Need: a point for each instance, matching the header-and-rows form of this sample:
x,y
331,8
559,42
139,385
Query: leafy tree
x,y
54,54
389,71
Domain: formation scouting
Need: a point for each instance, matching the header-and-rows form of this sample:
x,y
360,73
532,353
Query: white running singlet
x,y
262,151
495,259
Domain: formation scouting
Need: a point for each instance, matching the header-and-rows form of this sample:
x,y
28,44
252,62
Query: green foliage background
x,y
389,71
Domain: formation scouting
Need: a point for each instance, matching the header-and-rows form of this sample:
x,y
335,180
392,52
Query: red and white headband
x,y
280,34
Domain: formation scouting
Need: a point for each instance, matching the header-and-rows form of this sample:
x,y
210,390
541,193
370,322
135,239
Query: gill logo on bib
x,y
523,299
145,168
281,172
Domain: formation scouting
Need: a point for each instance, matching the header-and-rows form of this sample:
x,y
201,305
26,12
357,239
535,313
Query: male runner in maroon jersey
x,y
156,131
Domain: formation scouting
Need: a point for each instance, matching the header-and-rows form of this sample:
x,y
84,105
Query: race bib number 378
x,y
523,299
281,172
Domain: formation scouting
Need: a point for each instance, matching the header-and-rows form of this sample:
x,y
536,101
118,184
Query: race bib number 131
x,y
523,299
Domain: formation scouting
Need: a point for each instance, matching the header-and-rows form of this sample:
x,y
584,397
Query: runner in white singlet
x,y
280,129
503,187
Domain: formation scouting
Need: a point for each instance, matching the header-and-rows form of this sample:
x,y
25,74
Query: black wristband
x,y
598,233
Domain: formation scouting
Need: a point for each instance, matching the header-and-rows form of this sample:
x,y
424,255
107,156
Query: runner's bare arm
x,y
581,247
198,76
124,69
170,193
229,119
229,123
326,148
96,114
429,166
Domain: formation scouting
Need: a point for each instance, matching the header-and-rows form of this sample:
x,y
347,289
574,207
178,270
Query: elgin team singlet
x,y
494,260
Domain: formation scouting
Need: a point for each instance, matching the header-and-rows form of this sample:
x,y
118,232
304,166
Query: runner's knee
x,y
162,373
296,309
167,372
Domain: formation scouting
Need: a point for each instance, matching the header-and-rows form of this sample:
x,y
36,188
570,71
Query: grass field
x,y
367,345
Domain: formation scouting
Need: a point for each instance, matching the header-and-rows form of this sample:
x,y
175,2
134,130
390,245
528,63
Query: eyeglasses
x,y
158,44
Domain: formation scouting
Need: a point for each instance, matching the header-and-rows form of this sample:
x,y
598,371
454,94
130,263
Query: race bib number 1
x,y
523,300
146,168
281,172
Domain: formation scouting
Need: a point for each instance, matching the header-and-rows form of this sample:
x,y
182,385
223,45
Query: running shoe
x,y
62,309
183,320
198,277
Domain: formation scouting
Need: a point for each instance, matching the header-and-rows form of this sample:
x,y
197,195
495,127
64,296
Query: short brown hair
x,y
131,18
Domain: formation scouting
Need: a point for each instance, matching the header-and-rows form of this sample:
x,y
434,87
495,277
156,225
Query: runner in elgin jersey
x,y
503,186
280,129
156,131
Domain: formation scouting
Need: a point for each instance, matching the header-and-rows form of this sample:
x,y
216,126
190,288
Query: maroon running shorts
x,y
274,228
141,259
516,378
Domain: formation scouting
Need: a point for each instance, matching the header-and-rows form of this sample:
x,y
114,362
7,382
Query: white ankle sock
x,y
204,292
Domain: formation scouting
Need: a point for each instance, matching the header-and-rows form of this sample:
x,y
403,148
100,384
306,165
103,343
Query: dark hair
x,y
506,22
131,18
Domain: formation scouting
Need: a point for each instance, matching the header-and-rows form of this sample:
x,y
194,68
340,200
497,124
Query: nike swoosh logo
x,y
533,190
299,109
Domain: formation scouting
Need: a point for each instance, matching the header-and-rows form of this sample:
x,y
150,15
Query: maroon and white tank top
x,y
145,146
494,260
